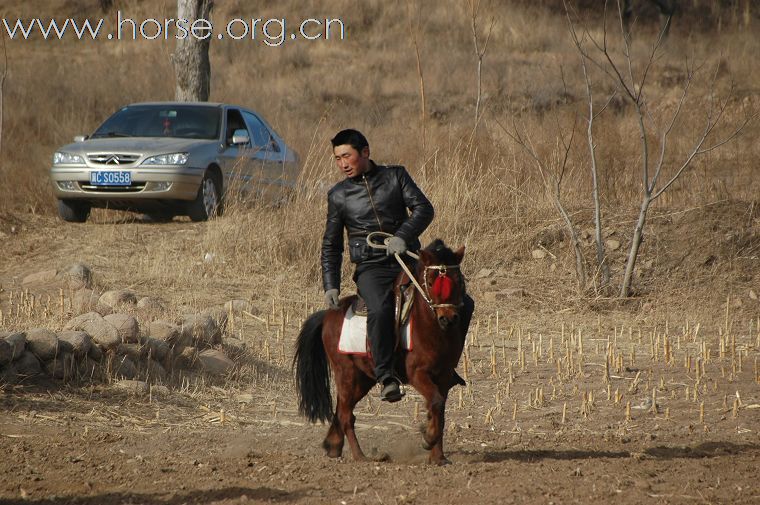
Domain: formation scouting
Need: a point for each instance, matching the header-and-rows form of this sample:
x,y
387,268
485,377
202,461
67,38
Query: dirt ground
x,y
241,440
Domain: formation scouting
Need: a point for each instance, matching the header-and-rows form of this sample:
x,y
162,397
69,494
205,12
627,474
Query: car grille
x,y
114,159
133,188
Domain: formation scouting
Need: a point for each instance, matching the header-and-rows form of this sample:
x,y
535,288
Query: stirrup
x,y
392,391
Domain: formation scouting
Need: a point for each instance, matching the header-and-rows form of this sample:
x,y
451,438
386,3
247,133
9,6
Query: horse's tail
x,y
312,371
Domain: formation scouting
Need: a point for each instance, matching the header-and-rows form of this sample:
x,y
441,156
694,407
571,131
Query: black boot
x,y
391,390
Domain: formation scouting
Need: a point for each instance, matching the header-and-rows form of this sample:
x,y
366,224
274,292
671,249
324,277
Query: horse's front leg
x,y
436,406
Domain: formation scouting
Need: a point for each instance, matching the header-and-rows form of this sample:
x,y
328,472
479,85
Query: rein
x,y
442,269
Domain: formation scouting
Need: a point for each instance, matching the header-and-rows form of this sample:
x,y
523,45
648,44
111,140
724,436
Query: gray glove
x,y
331,299
396,245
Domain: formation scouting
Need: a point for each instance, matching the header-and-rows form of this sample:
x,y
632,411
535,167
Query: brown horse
x,y
439,320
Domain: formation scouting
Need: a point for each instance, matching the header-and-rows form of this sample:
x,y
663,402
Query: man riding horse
x,y
372,198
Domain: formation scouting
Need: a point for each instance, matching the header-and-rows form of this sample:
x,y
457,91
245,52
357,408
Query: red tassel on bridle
x,y
442,286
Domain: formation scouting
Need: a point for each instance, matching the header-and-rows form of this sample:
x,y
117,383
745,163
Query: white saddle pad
x,y
353,336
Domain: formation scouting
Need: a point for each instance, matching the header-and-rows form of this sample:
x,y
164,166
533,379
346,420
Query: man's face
x,y
350,161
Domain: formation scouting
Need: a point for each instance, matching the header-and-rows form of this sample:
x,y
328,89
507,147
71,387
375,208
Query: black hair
x,y
354,138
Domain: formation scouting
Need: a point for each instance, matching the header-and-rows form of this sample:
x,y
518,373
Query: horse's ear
x,y
459,254
426,257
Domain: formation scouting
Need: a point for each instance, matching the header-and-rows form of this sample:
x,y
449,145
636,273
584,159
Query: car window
x,y
162,121
234,122
261,136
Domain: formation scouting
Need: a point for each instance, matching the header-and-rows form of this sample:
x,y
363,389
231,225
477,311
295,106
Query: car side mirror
x,y
80,138
240,137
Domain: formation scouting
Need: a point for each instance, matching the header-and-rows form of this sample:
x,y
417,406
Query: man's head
x,y
351,151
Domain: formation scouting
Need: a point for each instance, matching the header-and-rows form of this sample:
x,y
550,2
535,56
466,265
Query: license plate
x,y
111,178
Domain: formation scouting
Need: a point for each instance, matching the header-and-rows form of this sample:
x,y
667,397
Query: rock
x,y
151,304
184,357
89,369
77,342
28,365
43,277
61,367
6,352
126,326
165,331
8,374
202,330
219,315
77,276
17,342
234,347
96,353
612,244
84,300
159,390
504,294
43,343
116,299
538,254
123,367
98,328
752,294
157,349
139,388
135,352
215,362
155,372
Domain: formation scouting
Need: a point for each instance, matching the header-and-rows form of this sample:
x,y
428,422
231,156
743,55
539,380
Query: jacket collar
x,y
371,171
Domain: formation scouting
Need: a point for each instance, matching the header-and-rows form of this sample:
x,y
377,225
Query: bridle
x,y
424,291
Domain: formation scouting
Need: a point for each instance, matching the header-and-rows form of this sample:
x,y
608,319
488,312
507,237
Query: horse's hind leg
x,y
350,392
333,442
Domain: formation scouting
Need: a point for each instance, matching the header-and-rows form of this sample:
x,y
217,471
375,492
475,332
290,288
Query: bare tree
x,y
633,87
191,63
552,170
601,259
2,89
480,52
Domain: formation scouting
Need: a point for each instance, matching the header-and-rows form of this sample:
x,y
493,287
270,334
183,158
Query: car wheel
x,y
73,211
207,203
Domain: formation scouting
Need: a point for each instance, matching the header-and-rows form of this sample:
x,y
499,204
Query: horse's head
x,y
442,280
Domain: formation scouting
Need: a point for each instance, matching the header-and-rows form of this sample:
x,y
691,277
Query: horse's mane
x,y
441,251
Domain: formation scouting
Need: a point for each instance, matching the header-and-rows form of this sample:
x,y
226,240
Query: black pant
x,y
374,280
375,284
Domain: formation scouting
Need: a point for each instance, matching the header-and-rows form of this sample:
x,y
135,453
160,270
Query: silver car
x,y
172,158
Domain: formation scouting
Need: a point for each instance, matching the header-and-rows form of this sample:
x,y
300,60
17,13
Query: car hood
x,y
143,145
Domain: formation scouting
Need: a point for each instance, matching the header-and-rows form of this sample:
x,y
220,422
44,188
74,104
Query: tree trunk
x,y
625,290
191,63
2,90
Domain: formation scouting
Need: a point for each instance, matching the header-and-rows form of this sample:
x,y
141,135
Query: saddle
x,y
403,292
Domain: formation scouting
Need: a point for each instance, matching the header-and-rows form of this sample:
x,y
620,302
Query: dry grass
x,y
486,193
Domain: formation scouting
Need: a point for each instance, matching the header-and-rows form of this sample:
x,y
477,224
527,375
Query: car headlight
x,y
166,159
61,158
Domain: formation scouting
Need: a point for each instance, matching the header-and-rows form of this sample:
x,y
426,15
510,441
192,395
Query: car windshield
x,y
178,121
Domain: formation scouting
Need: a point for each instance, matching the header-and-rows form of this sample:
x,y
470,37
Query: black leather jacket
x,y
350,207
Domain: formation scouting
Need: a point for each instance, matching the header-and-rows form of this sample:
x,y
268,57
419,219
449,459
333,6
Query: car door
x,y
267,156
236,158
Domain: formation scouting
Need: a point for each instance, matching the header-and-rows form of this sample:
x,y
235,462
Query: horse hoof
x,y
426,446
441,462
382,457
